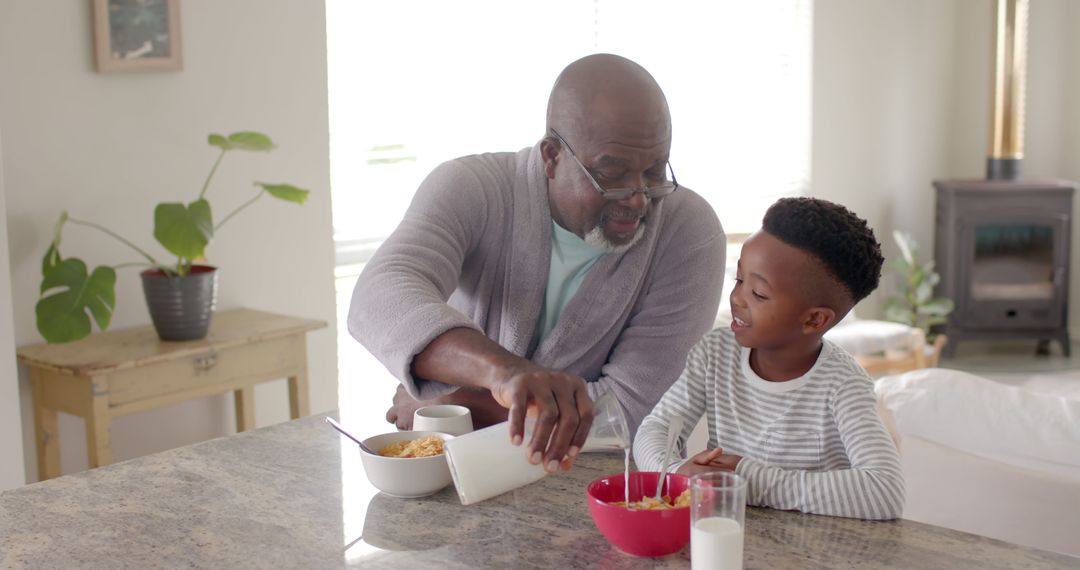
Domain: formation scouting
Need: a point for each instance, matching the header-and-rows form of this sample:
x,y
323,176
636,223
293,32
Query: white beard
x,y
596,238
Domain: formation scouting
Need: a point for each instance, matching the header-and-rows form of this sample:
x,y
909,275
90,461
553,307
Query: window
x,y
413,84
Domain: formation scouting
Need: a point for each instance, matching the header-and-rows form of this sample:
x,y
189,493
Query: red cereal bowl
x,y
640,532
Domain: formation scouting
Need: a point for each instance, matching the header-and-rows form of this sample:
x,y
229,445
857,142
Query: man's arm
x,y
400,313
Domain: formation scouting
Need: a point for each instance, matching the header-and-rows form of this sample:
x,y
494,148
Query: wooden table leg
x,y
299,398
46,431
244,398
98,427
299,404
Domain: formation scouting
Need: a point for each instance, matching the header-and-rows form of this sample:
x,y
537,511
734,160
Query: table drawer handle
x,y
205,363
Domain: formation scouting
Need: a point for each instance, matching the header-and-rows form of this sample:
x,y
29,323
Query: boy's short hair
x,y
843,242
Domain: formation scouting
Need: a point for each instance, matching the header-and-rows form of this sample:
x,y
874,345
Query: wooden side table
x,y
119,372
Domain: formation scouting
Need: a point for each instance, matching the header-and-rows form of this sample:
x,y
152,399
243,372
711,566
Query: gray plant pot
x,y
181,307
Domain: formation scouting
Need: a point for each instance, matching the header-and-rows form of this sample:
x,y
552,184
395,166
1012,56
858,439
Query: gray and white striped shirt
x,y
813,444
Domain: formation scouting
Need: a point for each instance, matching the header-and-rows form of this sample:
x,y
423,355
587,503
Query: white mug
x,y
447,418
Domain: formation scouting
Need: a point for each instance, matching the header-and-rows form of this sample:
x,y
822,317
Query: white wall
x,y
108,147
12,472
880,113
1053,117
902,97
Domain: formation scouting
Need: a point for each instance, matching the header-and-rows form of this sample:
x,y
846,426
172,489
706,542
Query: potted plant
x,y
915,304
180,295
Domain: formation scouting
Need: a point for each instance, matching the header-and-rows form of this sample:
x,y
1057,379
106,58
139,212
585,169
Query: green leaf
x,y
184,230
894,302
286,192
252,141
899,314
923,292
62,315
916,276
927,268
243,140
218,141
933,321
939,306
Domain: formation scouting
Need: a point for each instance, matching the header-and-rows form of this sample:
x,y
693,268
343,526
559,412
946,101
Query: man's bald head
x,y
599,89
615,123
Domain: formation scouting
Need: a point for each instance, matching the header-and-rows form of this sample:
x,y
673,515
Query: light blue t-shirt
x,y
571,260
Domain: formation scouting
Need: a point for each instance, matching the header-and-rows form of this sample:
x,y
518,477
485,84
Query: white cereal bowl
x,y
406,477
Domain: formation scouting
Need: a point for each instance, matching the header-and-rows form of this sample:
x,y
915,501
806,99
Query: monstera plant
x,y
71,294
915,305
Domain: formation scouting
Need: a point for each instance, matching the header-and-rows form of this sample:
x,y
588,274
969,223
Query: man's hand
x,y
557,400
562,409
708,461
401,412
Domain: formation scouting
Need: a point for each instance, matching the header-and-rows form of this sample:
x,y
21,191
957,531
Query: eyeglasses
x,y
622,193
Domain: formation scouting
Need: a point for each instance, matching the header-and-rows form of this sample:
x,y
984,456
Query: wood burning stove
x,y
1002,244
1002,249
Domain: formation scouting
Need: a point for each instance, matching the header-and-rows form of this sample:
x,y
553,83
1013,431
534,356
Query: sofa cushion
x,y
1012,425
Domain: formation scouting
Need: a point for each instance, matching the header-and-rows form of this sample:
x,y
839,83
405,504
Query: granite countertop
x,y
294,495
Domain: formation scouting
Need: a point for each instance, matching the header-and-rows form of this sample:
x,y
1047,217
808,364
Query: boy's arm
x,y
872,488
685,398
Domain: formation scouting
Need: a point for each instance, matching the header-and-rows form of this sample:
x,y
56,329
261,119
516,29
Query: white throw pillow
x,y
1008,424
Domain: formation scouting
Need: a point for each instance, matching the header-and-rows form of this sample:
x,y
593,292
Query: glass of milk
x,y
717,516
484,463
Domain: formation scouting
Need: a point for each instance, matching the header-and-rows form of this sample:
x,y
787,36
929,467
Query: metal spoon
x,y
674,429
338,427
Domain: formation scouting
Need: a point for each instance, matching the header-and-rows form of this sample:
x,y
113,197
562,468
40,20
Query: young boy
x,y
790,412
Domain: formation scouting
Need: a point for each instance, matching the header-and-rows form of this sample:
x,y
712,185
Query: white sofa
x,y
988,458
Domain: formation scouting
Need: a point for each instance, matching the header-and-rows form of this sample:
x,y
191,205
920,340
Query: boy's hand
x,y
710,460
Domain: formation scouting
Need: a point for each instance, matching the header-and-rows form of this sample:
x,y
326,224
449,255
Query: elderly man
x,y
533,281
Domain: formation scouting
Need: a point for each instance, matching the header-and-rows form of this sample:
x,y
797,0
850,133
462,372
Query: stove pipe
x,y
1010,74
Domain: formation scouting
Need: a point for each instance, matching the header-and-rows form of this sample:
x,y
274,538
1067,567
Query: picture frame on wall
x,y
137,35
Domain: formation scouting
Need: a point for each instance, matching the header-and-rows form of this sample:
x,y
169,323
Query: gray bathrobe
x,y
473,250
